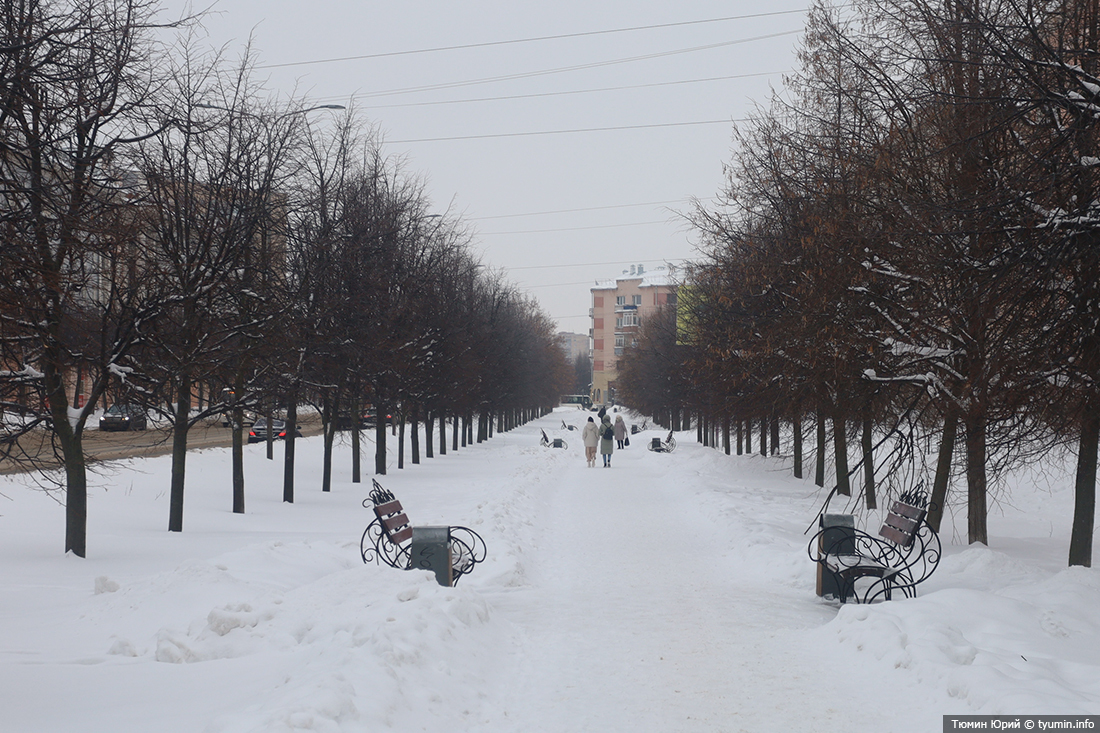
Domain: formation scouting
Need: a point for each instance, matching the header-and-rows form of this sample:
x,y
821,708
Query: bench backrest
x,y
902,524
395,523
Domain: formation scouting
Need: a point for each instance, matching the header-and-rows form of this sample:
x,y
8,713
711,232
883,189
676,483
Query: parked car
x,y
258,432
124,417
345,421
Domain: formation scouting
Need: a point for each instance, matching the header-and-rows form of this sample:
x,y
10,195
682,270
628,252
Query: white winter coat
x,y
590,436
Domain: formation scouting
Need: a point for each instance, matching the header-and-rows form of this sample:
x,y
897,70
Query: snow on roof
x,y
657,278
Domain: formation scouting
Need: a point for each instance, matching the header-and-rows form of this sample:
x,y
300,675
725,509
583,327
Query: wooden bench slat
x,y
908,526
390,507
896,536
906,510
398,537
395,522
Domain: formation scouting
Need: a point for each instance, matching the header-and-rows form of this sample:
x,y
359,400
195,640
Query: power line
x,y
577,229
577,67
563,132
591,264
509,97
533,39
570,211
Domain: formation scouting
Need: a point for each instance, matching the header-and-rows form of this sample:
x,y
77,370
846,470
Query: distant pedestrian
x,y
590,436
620,431
607,440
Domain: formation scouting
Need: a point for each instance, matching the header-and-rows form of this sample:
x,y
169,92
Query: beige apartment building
x,y
619,307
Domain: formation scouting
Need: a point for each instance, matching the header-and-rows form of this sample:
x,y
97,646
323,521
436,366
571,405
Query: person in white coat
x,y
590,436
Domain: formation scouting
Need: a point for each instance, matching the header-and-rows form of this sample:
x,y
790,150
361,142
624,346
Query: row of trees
x,y
174,237
907,247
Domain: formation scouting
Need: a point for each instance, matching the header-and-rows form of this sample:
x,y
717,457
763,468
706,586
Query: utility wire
x,y
563,132
533,39
577,229
577,67
570,211
592,264
509,97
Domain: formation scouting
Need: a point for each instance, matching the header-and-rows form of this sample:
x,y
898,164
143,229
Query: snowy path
x,y
640,618
668,593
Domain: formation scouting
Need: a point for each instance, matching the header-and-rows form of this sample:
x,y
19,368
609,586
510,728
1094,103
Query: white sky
x,y
558,210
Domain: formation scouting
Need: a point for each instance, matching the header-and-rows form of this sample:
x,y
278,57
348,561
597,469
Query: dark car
x,y
258,432
124,417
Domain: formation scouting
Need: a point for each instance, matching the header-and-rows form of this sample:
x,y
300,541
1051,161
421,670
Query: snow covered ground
x,y
671,592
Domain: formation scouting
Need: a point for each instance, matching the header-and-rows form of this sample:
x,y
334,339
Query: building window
x,y
618,351
618,321
628,319
620,300
637,300
620,341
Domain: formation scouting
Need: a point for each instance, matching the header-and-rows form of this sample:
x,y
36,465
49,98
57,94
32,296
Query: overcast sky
x,y
571,157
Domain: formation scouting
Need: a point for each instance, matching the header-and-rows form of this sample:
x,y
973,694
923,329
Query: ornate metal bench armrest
x,y
467,550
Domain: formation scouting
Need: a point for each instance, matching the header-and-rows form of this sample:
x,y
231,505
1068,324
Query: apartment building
x,y
619,307
573,345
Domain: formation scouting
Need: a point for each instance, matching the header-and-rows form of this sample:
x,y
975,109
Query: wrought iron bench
x,y
663,446
546,442
389,539
866,568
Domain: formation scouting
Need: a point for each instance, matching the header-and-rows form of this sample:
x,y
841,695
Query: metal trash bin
x,y
633,429
655,444
431,550
837,538
558,443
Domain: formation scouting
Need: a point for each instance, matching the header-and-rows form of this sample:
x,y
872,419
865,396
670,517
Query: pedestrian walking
x,y
607,441
590,436
620,430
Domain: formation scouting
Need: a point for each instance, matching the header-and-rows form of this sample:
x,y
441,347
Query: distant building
x,y
619,307
573,344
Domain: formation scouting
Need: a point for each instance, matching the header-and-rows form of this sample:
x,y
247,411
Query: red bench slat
x,y
390,507
395,522
907,510
908,526
398,537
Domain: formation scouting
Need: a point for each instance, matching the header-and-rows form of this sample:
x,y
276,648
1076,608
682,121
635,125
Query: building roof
x,y
655,279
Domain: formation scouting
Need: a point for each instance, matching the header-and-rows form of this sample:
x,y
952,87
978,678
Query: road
x,y
109,446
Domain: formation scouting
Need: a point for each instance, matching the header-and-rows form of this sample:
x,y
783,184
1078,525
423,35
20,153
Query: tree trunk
x,y
938,501
442,432
796,430
238,460
775,434
748,437
1084,506
289,443
76,472
740,439
726,434
238,442
380,440
454,433
976,486
328,428
414,424
180,425
868,464
270,434
840,456
428,433
819,458
400,415
764,436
